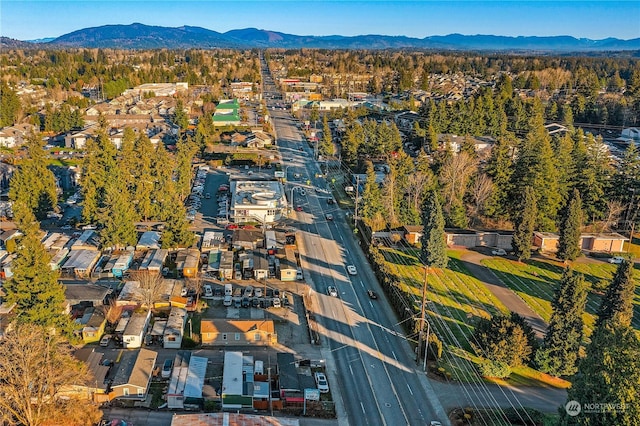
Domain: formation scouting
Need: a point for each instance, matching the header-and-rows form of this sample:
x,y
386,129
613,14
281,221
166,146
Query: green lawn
x,y
535,280
456,300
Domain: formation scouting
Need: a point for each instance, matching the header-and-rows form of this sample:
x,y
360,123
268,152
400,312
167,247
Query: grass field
x,y
456,300
535,281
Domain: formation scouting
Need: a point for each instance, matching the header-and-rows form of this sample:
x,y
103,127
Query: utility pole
x,y
422,317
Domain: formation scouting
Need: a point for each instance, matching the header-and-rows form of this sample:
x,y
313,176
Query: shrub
x,y
497,369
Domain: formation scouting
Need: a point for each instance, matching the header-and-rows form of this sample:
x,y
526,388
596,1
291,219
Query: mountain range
x,y
140,36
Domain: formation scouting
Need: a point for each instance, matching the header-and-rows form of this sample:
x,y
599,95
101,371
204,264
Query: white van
x,y
228,289
227,300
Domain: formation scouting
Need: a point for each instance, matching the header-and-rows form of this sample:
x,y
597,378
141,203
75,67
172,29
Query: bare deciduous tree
x,y
196,285
37,371
613,214
113,312
481,191
455,175
151,287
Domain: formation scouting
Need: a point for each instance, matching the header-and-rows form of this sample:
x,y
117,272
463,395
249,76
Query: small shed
x,y
260,265
187,262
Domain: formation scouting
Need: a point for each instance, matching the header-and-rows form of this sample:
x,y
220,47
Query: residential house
x,y
187,262
288,265
13,136
134,375
187,382
149,240
226,265
236,392
153,260
80,263
94,388
135,330
605,242
220,332
174,329
92,325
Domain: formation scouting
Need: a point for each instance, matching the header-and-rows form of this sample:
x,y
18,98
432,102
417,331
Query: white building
x,y
173,331
257,201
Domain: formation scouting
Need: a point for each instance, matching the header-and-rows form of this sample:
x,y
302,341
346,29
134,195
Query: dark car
x,y
372,294
255,302
246,302
217,292
330,201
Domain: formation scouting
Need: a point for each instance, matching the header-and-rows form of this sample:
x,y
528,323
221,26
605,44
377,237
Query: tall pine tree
x,y
608,376
617,304
433,239
372,211
560,349
570,229
34,286
524,222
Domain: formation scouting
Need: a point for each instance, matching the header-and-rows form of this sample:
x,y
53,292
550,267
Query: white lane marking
x,y
362,406
394,355
371,304
409,387
351,369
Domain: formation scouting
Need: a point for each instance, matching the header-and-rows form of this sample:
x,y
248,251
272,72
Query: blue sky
x,y
26,20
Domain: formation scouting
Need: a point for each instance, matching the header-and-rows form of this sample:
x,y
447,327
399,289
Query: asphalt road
x,y
370,359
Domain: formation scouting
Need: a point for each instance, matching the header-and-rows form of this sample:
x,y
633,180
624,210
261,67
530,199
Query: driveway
x,y
513,302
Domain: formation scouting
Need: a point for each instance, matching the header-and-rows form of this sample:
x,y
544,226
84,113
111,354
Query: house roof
x,y
136,368
236,326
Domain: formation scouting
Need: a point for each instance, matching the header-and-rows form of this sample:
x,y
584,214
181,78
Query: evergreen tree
x,y
34,286
608,376
500,169
9,105
180,117
524,222
433,240
144,181
176,232
560,349
617,304
118,215
501,340
535,167
326,145
372,210
570,229
626,180
33,184
98,167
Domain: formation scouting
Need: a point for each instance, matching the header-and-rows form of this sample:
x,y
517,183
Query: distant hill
x,y
140,36
11,43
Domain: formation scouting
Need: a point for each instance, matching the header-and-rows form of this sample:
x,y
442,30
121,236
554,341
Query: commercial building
x,y
261,201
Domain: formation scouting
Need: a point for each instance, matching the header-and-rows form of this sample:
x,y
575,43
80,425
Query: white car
x,y
616,260
499,252
332,291
321,382
352,270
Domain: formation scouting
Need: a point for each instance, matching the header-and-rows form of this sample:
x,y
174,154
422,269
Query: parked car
x,y
372,294
498,252
616,260
299,208
352,270
257,292
208,291
246,302
321,382
104,342
166,369
276,303
330,201
248,291
332,291
328,216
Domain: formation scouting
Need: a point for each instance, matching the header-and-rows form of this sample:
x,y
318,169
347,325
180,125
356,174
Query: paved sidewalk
x,y
508,297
